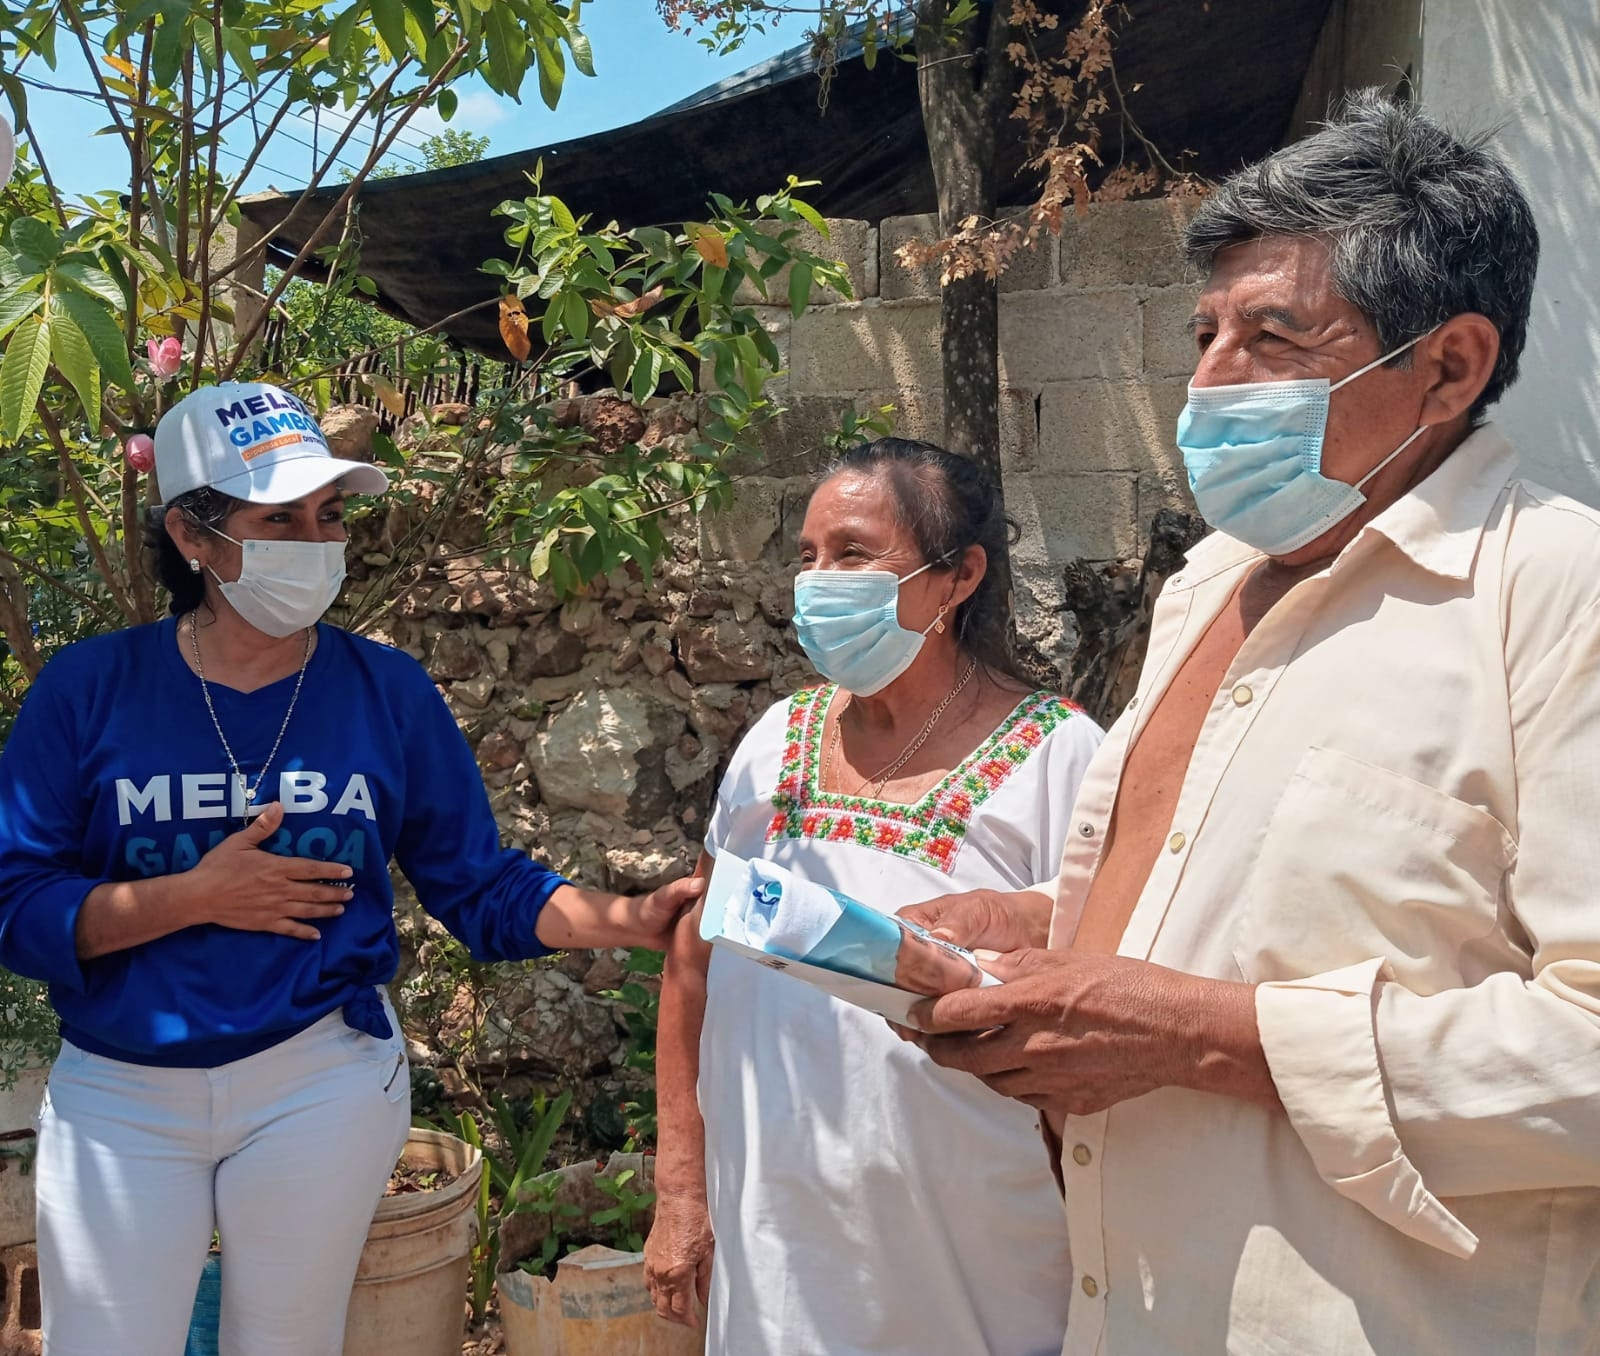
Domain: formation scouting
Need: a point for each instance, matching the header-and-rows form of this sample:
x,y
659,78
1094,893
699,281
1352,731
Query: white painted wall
x,y
1532,69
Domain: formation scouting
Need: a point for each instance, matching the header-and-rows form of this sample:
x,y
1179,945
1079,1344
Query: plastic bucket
x,y
411,1287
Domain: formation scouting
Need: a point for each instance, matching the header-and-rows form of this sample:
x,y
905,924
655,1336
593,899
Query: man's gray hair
x,y
1423,225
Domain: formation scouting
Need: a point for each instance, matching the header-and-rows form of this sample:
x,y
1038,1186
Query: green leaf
x,y
576,315
561,214
799,287
16,308
582,52
811,216
237,45
507,51
422,11
83,276
166,52
105,336
341,31
390,18
17,92
34,241
552,72
27,357
75,361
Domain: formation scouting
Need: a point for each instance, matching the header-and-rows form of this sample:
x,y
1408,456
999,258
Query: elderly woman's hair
x,y
947,503
205,508
1423,225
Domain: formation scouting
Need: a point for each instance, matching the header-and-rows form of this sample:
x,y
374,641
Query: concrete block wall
x,y
1094,361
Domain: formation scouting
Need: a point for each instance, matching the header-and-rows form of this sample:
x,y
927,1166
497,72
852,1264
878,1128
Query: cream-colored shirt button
x,y
1091,1287
1176,842
1242,695
1087,830
1081,1155
1132,702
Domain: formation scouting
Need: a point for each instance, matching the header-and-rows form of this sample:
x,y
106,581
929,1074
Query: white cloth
x,y
866,1202
286,1154
1387,824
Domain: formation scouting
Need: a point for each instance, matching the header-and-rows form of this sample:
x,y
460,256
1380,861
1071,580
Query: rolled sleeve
x,y
1320,1040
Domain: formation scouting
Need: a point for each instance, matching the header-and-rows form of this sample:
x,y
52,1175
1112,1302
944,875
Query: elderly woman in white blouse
x,y
824,1187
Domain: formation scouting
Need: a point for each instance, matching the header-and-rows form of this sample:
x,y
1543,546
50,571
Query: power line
x,y
94,97
402,140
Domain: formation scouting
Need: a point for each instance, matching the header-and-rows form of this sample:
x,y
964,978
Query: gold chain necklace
x,y
249,792
882,779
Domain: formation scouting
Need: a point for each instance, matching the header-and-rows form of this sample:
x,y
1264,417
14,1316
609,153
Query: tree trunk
x,y
963,87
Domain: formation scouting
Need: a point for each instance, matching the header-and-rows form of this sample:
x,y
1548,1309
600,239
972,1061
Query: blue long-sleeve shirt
x,y
113,771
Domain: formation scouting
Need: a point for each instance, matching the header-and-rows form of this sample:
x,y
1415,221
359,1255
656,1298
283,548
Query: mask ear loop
x,y
1380,361
1420,430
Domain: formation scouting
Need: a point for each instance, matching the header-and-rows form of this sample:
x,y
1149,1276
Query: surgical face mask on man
x,y
283,586
848,622
1253,454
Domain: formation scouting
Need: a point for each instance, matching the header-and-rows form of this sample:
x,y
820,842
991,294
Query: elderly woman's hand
x,y
986,919
677,1257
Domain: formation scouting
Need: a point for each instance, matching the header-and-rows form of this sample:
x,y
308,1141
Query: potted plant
x,y
571,1279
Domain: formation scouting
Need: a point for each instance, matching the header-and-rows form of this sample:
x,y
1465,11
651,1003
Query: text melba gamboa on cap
x,y
252,441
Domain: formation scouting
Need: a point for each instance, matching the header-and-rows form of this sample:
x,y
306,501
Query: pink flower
x,y
140,450
166,356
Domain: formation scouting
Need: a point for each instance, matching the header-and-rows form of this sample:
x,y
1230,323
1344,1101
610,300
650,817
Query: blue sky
x,y
640,68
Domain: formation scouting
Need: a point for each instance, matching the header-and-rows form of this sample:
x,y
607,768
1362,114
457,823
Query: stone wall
x,y
602,724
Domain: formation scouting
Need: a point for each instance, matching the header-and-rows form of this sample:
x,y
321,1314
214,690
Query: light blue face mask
x,y
848,622
1254,458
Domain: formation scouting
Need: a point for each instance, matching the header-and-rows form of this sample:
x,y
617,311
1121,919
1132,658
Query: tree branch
x,y
80,501
59,585
380,148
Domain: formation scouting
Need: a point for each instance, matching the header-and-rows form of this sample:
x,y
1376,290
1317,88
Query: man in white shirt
x,y
1315,1009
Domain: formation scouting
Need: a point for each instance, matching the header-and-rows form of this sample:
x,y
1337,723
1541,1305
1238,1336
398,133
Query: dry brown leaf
x,y
710,246
626,310
514,328
385,390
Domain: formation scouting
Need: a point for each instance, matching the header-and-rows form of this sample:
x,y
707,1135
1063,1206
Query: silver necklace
x,y
250,807
921,738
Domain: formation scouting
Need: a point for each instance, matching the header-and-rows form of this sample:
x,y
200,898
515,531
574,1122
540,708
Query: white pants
x,y
285,1154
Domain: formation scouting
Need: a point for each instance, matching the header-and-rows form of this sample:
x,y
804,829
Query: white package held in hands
x,y
874,960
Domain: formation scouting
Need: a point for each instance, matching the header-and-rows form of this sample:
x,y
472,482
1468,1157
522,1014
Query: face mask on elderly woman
x,y
848,622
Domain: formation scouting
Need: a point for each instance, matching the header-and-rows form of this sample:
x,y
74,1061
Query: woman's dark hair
x,y
205,508
947,503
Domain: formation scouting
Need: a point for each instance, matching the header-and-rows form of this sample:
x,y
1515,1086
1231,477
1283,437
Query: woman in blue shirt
x,y
196,824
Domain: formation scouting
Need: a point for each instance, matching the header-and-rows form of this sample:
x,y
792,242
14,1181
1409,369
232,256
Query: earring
x,y
194,565
938,622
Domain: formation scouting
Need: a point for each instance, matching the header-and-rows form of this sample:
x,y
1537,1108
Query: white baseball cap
x,y
252,441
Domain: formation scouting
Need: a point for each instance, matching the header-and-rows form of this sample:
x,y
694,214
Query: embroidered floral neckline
x,y
932,829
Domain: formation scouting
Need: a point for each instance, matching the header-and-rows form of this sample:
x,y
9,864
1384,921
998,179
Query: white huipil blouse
x,y
866,1202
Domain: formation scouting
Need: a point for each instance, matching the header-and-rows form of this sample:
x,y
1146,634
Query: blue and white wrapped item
x,y
877,961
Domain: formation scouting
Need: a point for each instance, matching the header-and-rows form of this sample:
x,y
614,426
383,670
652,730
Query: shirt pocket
x,y
1359,861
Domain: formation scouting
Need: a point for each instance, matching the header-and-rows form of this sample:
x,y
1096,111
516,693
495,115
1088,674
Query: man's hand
x,y
677,1258
239,885
987,919
1074,1033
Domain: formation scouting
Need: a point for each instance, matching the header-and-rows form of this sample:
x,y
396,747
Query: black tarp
x,y
1217,79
